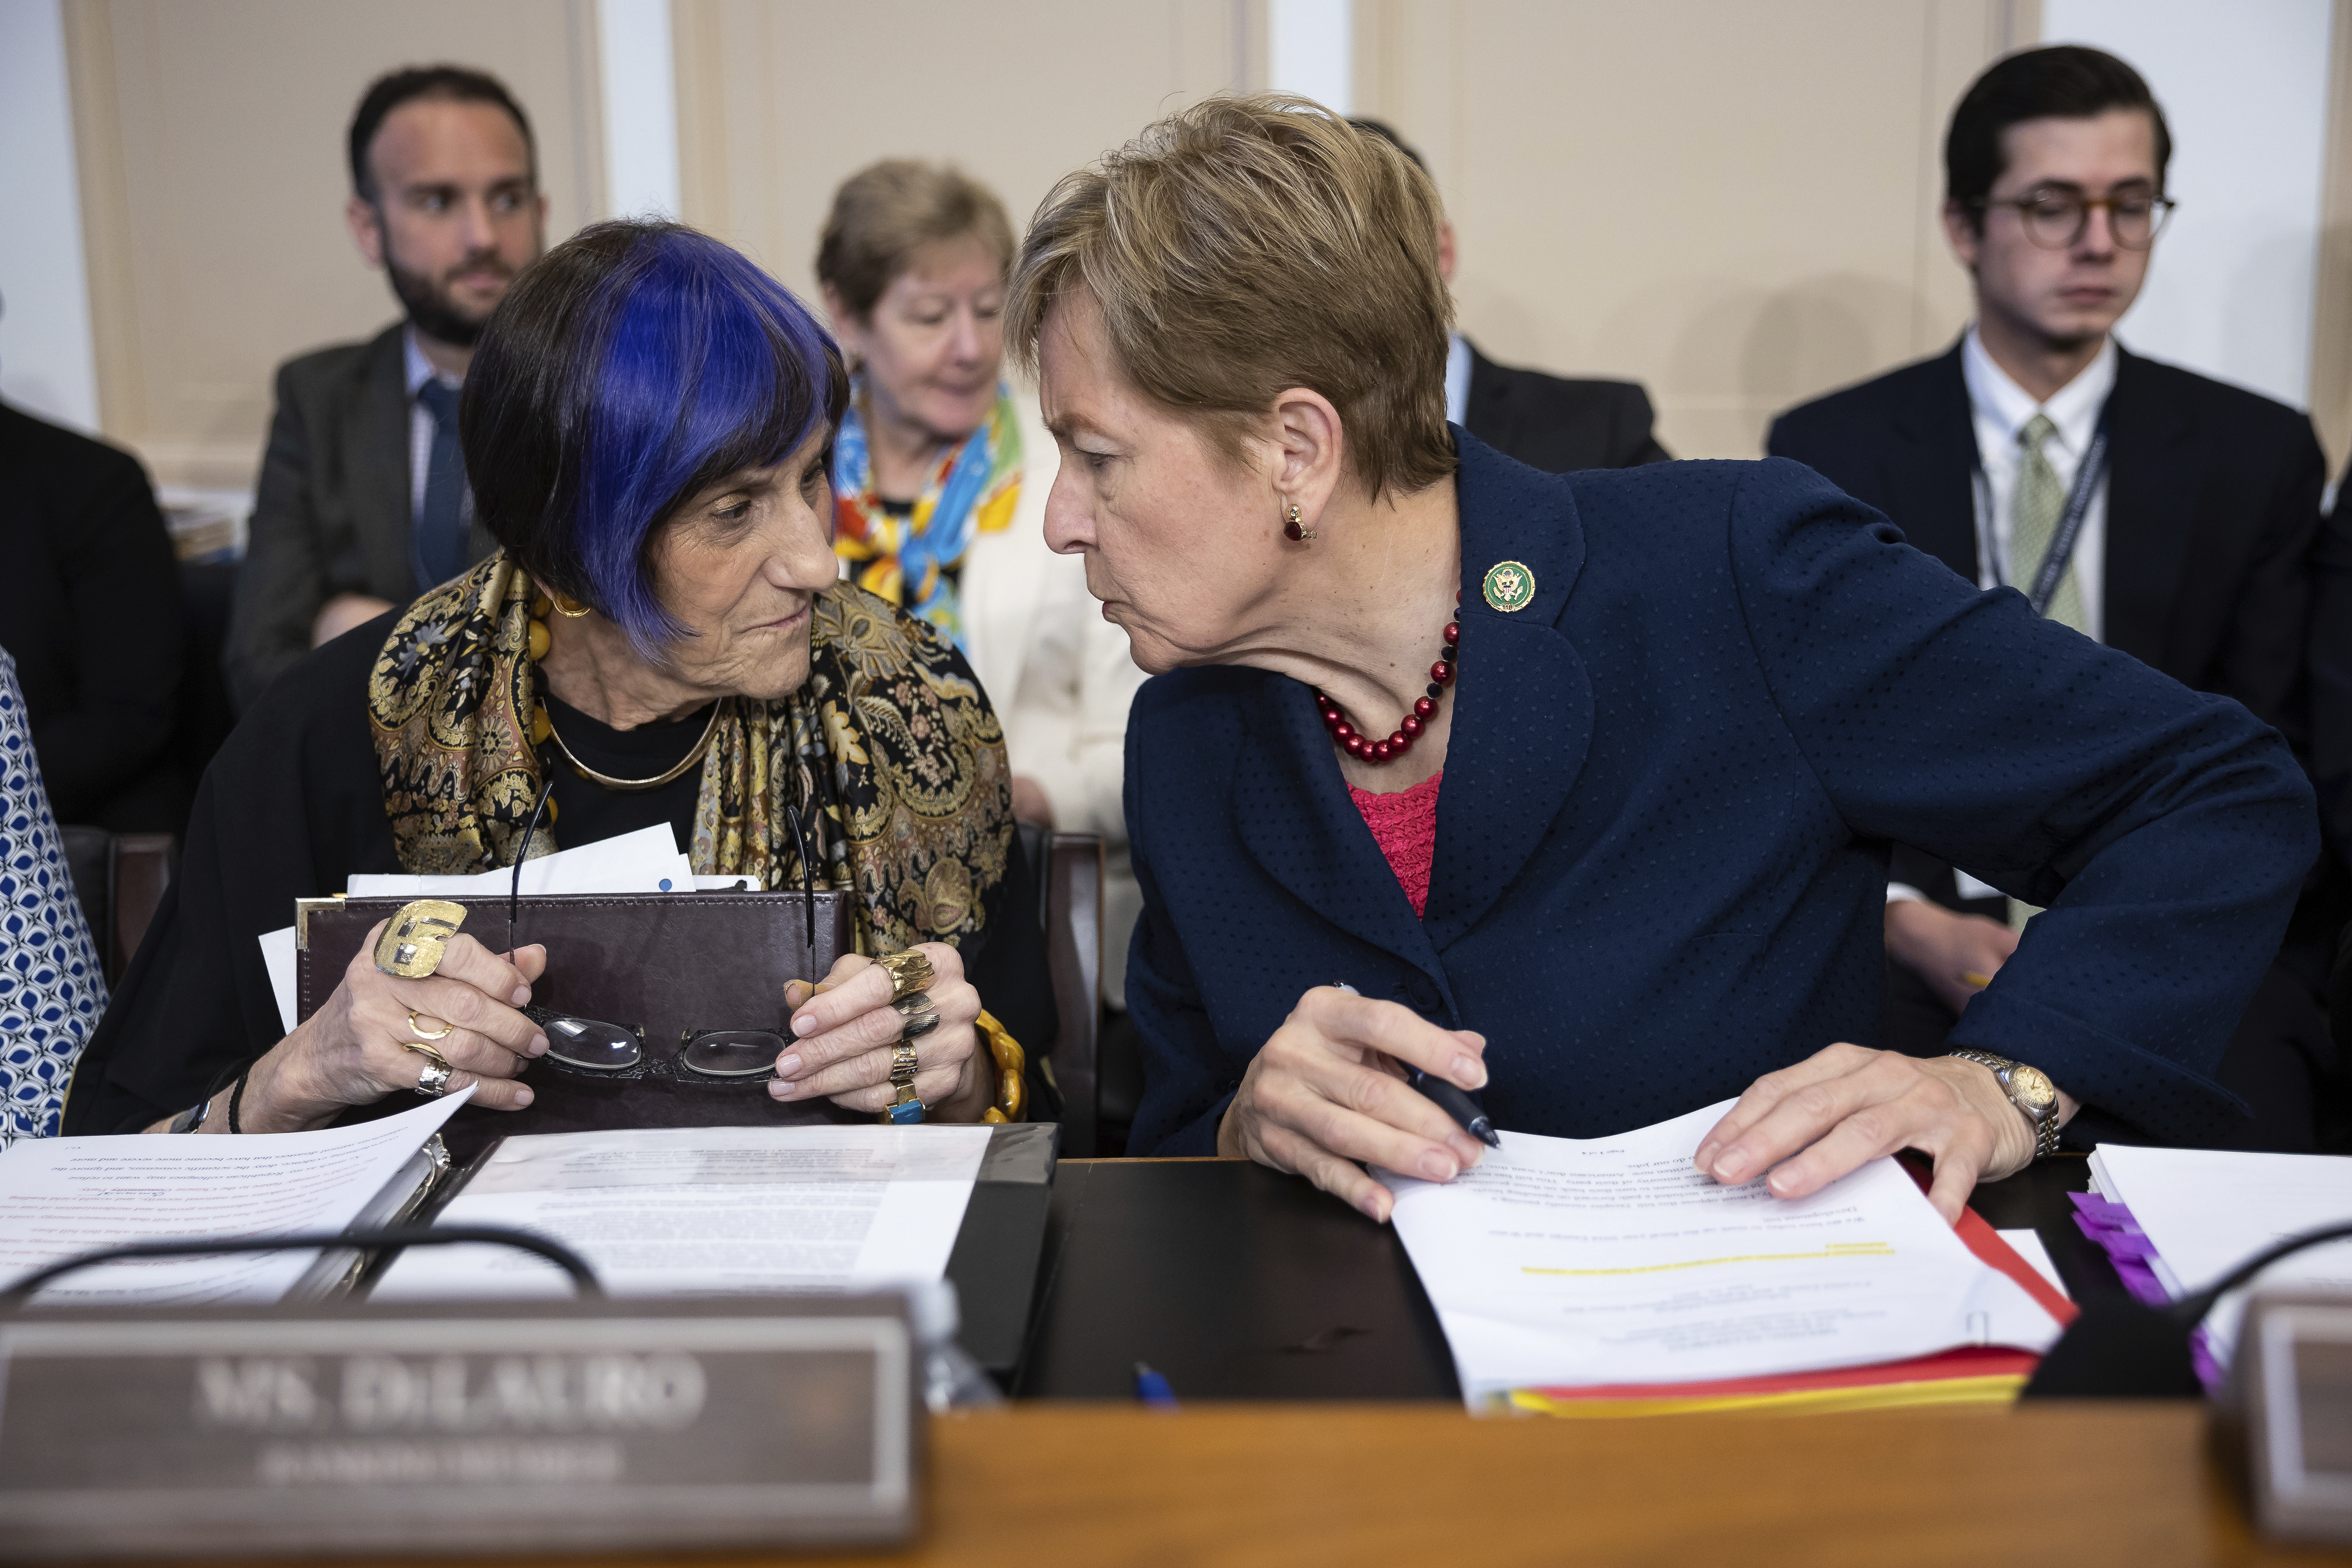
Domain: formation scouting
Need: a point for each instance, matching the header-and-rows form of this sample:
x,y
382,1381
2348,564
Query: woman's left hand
x,y
845,1032
1844,1106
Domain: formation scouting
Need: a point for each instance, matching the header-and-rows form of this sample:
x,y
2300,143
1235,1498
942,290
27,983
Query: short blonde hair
x,y
887,212
1249,244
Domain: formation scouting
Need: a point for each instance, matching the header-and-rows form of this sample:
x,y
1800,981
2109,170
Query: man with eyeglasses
x,y
362,502
2160,512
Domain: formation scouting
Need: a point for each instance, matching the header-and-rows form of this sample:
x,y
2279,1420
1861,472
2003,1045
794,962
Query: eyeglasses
x,y
710,1058
2058,219
723,1058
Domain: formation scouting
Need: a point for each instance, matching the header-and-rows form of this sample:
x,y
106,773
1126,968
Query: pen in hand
x,y
1448,1097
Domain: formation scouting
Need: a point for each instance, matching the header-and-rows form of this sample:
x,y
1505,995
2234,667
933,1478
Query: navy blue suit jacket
x,y
1662,831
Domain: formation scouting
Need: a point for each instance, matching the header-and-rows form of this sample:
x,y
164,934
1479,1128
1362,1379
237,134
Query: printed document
x,y
60,1197
681,1210
2207,1210
1562,1262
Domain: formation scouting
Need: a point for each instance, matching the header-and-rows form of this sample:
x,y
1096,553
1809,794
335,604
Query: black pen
x,y
1446,1095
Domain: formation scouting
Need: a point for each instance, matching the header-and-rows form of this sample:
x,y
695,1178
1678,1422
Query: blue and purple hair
x,y
629,369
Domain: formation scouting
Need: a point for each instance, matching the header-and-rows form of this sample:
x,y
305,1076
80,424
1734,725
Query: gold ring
x,y
425,1050
416,935
448,1029
909,972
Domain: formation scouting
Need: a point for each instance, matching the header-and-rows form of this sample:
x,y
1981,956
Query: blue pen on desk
x,y
1448,1097
1151,1388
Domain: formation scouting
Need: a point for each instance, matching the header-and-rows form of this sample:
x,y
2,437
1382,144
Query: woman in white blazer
x,y
940,474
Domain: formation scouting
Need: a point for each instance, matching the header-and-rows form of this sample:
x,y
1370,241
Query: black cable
x,y
583,1278
2189,1311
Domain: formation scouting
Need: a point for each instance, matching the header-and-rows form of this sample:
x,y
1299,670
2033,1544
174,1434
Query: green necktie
x,y
2033,522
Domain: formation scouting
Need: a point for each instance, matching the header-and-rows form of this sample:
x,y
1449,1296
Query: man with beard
x,y
362,502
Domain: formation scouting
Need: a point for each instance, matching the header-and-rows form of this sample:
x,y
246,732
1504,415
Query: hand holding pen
x,y
1324,1097
1467,1113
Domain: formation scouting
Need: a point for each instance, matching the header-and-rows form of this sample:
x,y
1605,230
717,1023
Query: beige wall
x,y
1733,204
209,135
779,100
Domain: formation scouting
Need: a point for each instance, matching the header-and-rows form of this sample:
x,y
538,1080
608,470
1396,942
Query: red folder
x,y
1966,1375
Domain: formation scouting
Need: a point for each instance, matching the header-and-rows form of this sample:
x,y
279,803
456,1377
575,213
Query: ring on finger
x,y
918,1027
909,971
915,1002
424,1051
421,1032
432,1080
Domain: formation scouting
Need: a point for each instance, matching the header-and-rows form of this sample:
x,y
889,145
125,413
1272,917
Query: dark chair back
x,y
120,879
1073,873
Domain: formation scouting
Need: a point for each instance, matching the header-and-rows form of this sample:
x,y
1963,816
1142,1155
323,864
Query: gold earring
x,y
565,605
1293,529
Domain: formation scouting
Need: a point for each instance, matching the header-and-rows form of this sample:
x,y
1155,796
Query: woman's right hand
x,y
349,1052
1945,947
1326,1092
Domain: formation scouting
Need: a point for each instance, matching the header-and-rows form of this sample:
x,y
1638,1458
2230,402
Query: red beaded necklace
x,y
1424,707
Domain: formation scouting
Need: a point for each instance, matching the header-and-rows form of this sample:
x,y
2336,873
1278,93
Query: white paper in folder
x,y
647,861
1561,1262
667,1210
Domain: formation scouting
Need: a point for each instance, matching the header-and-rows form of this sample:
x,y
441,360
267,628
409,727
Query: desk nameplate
x,y
625,1427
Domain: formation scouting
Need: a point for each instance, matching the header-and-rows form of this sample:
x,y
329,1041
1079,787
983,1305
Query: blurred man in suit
x,y
1546,422
89,607
362,502
2159,512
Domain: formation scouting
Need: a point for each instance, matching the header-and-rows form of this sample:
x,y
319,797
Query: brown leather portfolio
x,y
669,962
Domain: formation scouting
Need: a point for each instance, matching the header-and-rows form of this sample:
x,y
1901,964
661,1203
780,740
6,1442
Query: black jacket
x,y
90,605
331,511
2212,505
1559,425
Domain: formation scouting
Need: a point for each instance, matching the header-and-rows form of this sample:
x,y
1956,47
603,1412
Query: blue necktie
x,y
438,551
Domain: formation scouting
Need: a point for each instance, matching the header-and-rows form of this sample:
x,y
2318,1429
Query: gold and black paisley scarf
x,y
893,745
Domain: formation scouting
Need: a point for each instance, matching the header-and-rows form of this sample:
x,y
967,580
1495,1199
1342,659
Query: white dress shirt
x,y
1457,379
1999,408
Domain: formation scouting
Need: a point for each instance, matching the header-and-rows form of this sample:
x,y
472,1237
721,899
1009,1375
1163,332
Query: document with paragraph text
x,y
1561,1261
675,1210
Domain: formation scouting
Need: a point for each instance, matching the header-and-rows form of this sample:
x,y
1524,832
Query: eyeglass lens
x,y
588,1044
731,1053
2057,219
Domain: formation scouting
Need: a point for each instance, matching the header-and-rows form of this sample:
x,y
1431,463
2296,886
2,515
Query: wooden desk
x,y
1230,1278
1041,1486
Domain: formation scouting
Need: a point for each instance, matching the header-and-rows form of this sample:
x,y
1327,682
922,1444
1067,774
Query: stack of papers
x,y
63,1196
1564,1267
677,1210
2192,1214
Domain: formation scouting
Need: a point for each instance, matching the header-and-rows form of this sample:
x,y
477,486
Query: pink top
x,y
1405,826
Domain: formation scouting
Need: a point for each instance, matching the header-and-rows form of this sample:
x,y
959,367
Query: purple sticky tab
x,y
2110,1227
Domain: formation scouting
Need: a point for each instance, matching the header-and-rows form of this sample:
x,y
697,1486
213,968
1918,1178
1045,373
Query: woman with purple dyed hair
x,y
662,637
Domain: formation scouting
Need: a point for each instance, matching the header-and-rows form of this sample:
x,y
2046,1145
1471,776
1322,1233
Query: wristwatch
x,y
2030,1090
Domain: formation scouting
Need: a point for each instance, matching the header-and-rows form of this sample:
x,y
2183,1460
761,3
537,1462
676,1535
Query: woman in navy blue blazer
x,y
1630,860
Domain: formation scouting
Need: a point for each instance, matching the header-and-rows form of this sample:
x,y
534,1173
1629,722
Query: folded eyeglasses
x,y
707,1058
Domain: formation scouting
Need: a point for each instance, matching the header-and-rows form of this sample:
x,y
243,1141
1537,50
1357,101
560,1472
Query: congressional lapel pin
x,y
1510,586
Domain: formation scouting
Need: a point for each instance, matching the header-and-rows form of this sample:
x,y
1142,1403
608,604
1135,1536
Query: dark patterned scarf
x,y
890,740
